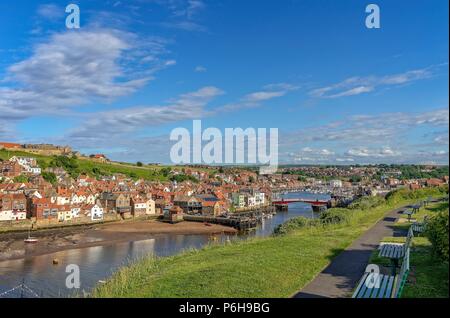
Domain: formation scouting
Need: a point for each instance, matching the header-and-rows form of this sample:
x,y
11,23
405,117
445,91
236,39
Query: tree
x,y
49,177
355,179
139,164
21,179
165,171
437,232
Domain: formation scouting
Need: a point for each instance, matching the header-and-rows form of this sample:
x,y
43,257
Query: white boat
x,y
31,239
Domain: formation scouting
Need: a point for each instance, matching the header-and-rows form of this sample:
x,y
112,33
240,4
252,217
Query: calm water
x,y
98,263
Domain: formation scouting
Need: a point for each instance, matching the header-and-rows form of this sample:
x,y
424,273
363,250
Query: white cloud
x,y
376,153
183,8
263,96
323,152
255,99
365,137
183,14
105,125
441,153
200,69
50,11
360,85
442,139
345,159
75,68
184,25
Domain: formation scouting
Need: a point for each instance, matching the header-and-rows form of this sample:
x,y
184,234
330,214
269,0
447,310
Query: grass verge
x,y
429,275
276,266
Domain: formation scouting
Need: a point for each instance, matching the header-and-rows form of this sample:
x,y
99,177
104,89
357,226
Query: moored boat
x,y
31,239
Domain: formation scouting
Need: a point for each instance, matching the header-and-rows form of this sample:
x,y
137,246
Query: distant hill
x,y
76,166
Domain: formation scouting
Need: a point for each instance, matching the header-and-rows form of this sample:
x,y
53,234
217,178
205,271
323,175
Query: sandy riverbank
x,y
12,245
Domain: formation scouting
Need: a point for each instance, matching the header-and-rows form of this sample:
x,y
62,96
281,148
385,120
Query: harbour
x,y
97,263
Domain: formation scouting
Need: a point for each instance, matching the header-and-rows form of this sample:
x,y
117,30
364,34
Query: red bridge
x,y
310,201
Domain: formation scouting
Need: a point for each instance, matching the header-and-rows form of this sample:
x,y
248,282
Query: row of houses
x,y
248,199
19,206
18,165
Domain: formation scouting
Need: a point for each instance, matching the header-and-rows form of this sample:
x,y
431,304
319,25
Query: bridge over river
x,y
316,204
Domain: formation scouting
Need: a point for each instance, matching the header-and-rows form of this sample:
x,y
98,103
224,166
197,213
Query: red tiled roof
x,y
10,145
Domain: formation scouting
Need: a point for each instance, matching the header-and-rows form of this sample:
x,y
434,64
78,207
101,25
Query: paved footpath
x,y
341,276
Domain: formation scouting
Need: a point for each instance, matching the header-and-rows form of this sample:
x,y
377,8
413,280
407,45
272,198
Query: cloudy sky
x,y
338,92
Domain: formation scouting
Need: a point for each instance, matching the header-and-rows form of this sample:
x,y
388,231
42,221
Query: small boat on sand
x,y
31,239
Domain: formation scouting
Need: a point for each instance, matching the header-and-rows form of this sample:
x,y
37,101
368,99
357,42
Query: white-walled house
x,y
336,183
12,215
91,199
238,200
141,206
75,211
63,200
5,215
28,163
19,215
260,198
94,211
78,198
151,207
250,200
33,170
24,161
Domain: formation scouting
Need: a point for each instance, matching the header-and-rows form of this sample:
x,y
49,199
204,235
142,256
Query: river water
x,y
100,262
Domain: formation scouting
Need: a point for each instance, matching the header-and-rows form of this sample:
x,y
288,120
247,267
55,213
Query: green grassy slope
x,y
94,168
276,266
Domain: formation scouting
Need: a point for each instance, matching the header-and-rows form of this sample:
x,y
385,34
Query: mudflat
x,y
12,245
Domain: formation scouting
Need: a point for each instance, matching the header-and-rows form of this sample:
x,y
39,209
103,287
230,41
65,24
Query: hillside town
x,y
25,194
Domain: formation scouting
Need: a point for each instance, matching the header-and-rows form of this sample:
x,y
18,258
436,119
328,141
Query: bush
x,y
437,233
335,216
49,177
331,216
396,196
366,203
295,224
21,179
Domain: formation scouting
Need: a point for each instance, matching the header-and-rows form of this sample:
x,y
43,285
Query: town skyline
x,y
340,95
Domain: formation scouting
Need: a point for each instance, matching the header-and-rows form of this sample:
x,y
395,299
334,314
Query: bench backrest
x,y
416,207
408,239
400,280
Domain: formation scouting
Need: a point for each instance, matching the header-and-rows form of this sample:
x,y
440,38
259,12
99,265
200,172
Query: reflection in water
x,y
99,262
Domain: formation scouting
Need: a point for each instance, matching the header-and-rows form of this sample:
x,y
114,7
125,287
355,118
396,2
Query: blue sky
x,y
338,92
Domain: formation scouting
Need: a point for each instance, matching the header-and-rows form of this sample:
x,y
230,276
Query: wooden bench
x,y
375,285
394,250
416,207
409,213
419,227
